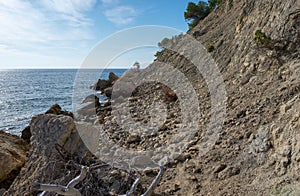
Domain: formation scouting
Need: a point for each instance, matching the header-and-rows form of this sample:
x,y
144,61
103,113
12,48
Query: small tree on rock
x,y
194,13
136,66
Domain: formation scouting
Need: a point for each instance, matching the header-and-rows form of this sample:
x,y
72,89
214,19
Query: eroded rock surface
x,y
56,154
12,157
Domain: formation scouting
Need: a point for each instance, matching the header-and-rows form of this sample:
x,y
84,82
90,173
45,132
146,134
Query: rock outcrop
x,y
55,156
112,77
26,134
105,85
57,110
257,151
12,157
90,108
54,142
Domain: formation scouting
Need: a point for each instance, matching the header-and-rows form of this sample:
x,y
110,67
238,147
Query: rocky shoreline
x,y
257,152
54,150
54,155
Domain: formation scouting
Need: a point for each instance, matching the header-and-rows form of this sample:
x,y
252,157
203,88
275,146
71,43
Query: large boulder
x,y
90,109
90,98
26,134
57,110
112,77
12,157
101,85
54,138
55,156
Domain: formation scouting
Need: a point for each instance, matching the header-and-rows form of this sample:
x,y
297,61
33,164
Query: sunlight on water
x,y
25,93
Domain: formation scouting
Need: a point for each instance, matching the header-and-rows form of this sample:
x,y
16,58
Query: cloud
x,y
18,20
121,15
110,2
71,10
117,13
31,25
70,6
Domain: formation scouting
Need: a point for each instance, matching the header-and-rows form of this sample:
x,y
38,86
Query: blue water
x,y
25,93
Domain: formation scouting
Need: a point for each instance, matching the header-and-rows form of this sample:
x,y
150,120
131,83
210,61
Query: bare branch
x,y
155,182
79,178
64,190
133,187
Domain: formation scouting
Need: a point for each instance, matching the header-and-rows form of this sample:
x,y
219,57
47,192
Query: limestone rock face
x,y
260,135
55,109
12,157
56,155
257,152
53,137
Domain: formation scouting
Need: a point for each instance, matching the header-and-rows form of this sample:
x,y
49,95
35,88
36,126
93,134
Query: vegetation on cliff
x,y
257,151
196,12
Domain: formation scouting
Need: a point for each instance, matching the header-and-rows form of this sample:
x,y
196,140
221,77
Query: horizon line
x,y
34,68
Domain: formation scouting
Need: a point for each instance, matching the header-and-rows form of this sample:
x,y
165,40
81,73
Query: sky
x,y
62,33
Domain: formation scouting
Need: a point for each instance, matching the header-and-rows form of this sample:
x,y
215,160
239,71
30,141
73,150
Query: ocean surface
x,y
25,93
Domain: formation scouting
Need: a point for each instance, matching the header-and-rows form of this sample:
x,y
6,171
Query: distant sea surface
x,y
25,93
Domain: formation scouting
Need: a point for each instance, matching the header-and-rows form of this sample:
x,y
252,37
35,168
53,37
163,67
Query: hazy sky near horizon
x,y
61,33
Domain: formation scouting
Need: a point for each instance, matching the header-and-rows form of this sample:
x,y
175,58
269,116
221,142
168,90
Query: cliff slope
x,y
258,150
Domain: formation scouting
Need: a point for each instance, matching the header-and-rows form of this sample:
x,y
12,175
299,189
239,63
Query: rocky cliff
x,y
56,155
257,152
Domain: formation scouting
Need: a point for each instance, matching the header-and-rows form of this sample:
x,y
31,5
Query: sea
x,y
25,93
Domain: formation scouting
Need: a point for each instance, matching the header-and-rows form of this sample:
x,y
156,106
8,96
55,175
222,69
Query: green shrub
x,y
261,39
167,43
157,53
196,12
210,48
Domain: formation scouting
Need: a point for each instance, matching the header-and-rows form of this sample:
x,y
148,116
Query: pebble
x,y
133,138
